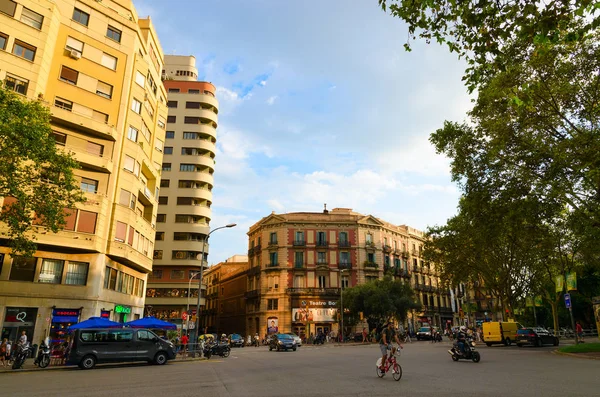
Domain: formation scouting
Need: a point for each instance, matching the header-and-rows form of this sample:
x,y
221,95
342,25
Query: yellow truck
x,y
500,332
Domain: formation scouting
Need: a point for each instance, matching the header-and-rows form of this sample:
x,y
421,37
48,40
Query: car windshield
x,y
424,329
523,331
284,336
236,336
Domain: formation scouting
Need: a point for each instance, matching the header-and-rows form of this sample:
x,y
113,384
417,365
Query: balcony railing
x,y
299,265
251,251
322,243
257,249
386,248
273,244
345,265
251,294
404,254
370,245
343,243
273,264
299,243
370,264
313,291
254,270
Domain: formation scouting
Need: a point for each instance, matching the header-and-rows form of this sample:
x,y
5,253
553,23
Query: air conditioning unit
x,y
75,54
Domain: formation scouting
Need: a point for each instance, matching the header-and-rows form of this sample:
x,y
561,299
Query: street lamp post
x,y
196,333
342,301
187,310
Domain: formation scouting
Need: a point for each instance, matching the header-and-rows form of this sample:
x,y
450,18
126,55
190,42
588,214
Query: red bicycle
x,y
392,364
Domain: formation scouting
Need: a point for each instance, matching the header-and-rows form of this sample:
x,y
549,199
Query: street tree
x,y
481,31
381,300
36,178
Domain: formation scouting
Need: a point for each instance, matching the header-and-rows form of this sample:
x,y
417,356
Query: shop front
x,y
123,314
314,316
17,320
62,319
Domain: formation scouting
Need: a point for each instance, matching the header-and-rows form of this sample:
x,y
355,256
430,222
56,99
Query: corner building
x,y
97,67
299,262
186,191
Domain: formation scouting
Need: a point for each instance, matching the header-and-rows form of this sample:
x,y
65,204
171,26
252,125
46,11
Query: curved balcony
x,y
209,100
199,193
122,252
203,144
207,129
189,227
195,210
184,245
202,161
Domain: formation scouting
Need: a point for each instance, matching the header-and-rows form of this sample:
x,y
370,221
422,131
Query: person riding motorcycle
x,y
461,338
224,339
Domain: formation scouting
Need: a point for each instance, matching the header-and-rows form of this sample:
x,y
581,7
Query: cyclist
x,y
388,335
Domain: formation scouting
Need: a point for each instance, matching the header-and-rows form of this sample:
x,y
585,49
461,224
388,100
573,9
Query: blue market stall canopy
x,y
151,322
95,322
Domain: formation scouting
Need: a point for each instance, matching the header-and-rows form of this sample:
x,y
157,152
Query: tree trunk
x,y
554,306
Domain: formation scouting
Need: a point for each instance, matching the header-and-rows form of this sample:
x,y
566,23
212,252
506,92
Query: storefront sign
x,y
318,315
105,314
297,303
20,317
65,315
123,309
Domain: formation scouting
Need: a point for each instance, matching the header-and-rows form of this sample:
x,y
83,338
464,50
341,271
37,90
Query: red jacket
x,y
184,340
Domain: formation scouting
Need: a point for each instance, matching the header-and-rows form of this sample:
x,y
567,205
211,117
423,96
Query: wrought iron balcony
x,y
299,243
299,265
253,270
369,245
322,243
404,254
273,244
343,243
369,264
386,248
345,265
257,250
313,291
251,294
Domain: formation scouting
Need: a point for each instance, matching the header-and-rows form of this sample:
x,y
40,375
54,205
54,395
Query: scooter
x,y
21,354
220,349
43,357
470,352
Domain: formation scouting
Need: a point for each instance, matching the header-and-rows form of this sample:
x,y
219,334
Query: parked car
x,y
296,338
236,340
113,345
282,342
536,337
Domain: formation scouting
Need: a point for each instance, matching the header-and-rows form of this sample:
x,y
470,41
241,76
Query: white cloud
x,y
271,100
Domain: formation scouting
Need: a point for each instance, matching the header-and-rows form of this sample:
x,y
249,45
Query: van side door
x,y
121,345
146,345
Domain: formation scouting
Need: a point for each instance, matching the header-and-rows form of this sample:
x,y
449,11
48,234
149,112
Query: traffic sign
x,y
184,316
568,301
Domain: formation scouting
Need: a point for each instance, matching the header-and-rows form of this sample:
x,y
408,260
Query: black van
x,y
113,345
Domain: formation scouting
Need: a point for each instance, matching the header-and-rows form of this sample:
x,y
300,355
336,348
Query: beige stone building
x,y
98,68
300,261
186,190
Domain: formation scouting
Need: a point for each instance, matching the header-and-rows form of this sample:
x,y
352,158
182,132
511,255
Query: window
x,y
74,44
89,185
104,90
77,273
177,274
99,116
132,134
170,135
171,104
51,271
321,239
59,138
168,150
273,259
190,135
69,75
121,232
81,17
94,148
161,124
165,182
140,79
8,7
171,119
158,145
157,274
124,197
151,83
16,84
322,281
109,61
187,167
31,18
300,237
343,237
273,238
190,91
321,257
164,200
345,282
191,120
272,304
63,104
369,238
299,282
299,259
344,258
161,218
87,222
192,105
113,33
174,90
166,167
3,40
24,50
371,257
146,132
149,108
23,269
129,163
136,106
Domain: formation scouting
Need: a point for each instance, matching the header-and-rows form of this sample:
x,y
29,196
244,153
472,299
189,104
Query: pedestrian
x,y
23,339
579,332
432,332
364,336
3,352
184,342
8,352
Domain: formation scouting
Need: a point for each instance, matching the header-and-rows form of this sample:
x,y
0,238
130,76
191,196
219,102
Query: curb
x,y
75,367
576,355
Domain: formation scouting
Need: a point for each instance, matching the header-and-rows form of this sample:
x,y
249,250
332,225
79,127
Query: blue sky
x,y
319,103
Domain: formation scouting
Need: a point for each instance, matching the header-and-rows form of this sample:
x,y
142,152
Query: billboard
x,y
272,325
318,315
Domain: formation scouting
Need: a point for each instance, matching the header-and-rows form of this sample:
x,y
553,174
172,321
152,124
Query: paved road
x,y
325,371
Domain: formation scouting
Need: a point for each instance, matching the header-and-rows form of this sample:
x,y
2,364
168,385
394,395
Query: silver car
x,y
296,338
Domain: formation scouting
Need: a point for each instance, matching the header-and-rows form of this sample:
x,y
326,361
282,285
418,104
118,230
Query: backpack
x,y
379,333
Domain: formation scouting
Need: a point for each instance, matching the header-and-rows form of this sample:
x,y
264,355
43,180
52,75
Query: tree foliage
x,y
33,171
481,31
381,300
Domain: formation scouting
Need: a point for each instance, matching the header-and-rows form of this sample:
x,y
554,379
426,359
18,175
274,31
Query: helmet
x,y
463,328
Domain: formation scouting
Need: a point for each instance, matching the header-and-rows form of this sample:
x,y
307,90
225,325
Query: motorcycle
x,y
220,349
470,352
43,357
206,349
21,354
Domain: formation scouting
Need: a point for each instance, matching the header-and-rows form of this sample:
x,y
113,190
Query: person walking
x,y
365,338
3,352
579,332
184,343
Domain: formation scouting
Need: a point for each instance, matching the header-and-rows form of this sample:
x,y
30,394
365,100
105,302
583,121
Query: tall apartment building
x,y
186,190
299,262
98,68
